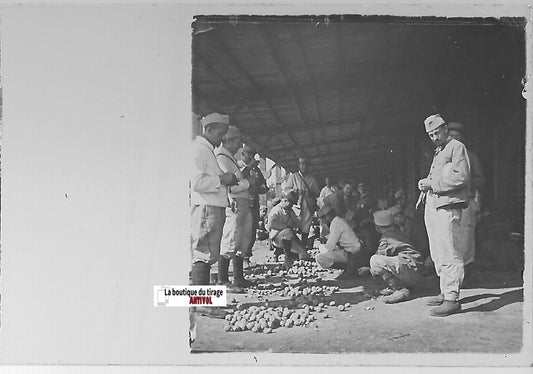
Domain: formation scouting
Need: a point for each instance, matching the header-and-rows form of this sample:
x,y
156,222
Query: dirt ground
x,y
490,322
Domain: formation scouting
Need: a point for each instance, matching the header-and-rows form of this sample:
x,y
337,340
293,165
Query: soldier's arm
x,y
333,238
227,166
201,181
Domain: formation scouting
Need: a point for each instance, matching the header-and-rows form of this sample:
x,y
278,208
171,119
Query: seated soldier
x,y
342,248
396,261
408,227
282,225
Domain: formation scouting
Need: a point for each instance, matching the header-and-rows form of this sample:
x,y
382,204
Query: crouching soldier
x,y
282,225
342,248
396,261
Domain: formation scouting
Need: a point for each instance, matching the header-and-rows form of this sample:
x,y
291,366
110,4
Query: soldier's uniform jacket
x,y
449,175
393,243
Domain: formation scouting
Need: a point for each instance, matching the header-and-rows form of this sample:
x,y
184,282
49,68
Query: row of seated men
x,y
394,257
356,207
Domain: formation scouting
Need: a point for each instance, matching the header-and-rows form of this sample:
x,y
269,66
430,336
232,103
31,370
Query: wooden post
x,y
495,171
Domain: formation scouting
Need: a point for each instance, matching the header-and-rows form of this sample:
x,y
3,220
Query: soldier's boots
x,y
401,292
289,256
238,274
386,291
223,268
436,301
397,296
200,274
446,308
223,277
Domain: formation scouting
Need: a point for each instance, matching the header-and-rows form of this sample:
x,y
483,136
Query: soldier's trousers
x,y
444,231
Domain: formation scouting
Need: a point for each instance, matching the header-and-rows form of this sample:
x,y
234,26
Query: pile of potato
x,y
263,319
306,301
300,268
305,269
300,290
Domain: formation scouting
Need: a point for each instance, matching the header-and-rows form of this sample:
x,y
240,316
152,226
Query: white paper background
x,y
93,188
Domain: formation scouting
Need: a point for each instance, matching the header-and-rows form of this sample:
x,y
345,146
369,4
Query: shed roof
x,y
344,91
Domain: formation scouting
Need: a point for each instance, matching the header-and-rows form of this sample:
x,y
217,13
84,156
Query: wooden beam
x,y
227,83
223,47
326,85
282,63
312,77
351,158
340,64
393,115
357,139
336,156
347,165
214,107
344,170
361,163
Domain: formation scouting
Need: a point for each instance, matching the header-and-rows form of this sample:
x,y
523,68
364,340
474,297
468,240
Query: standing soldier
x,y
446,195
208,200
236,235
208,197
306,186
328,189
468,220
249,167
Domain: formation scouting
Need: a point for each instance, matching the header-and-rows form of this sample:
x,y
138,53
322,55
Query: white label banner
x,y
190,296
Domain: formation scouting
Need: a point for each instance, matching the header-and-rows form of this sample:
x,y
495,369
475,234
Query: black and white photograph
x,y
261,186
368,189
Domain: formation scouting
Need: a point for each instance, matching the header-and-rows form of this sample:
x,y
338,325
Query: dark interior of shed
x,y
351,93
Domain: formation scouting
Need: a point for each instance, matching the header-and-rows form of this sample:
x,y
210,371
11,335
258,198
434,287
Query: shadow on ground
x,y
506,298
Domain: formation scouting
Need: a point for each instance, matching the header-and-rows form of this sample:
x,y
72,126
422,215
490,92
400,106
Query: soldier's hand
x,y
228,179
424,185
